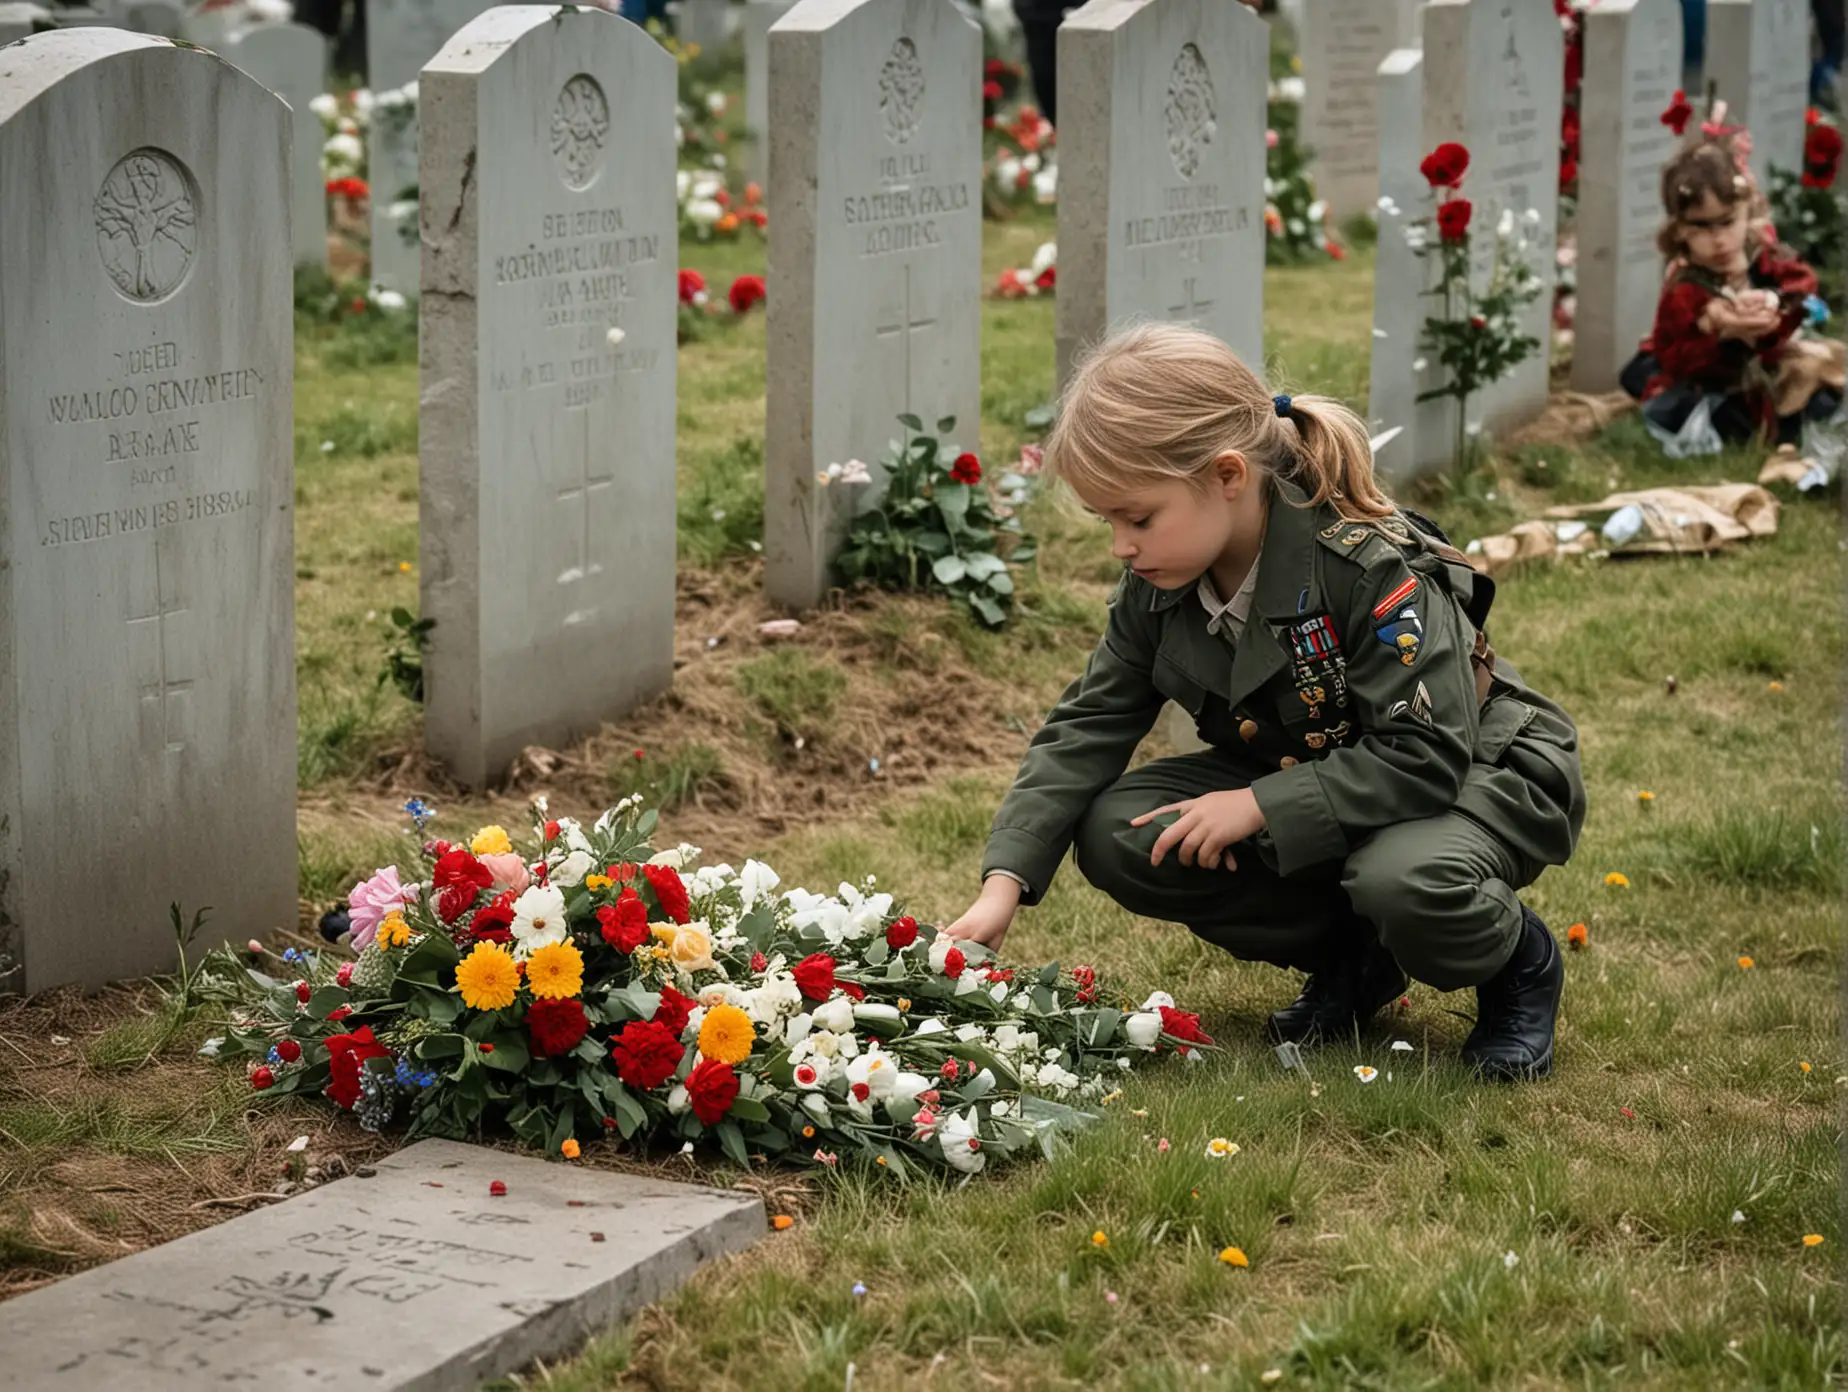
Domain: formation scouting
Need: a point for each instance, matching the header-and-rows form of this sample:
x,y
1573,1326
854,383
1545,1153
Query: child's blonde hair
x,y
1159,402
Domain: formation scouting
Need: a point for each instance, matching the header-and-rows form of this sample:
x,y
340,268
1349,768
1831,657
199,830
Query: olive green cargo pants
x,y
1439,892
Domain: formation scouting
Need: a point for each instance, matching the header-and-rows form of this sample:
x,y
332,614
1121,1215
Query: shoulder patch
x,y
1401,592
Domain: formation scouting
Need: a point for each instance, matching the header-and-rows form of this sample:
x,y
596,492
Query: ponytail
x,y
1332,460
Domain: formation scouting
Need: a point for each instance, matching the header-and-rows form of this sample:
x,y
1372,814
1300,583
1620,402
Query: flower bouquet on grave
x,y
935,527
590,985
1476,337
1027,282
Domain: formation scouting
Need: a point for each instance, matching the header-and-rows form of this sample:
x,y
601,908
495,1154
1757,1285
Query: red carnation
x,y
1822,156
646,1054
745,291
1569,133
853,990
339,1012
674,1010
814,976
712,1087
303,991
669,892
1568,171
691,283
551,828
1085,978
1183,1025
288,1050
1679,113
966,469
624,923
759,962
954,962
493,922
556,1026
901,933
459,879
1445,166
991,91
345,1055
1453,219
262,1078
994,67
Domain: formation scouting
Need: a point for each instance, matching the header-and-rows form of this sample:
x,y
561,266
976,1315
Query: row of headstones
x,y
1488,75
146,445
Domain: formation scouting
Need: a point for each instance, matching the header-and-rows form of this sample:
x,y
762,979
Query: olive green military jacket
x,y
1349,703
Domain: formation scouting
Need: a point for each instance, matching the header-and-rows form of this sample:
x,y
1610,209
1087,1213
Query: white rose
x,y
325,106
346,125
1047,255
798,1029
835,1015
677,1101
388,299
908,1085
672,859
1046,184
824,1043
362,100
572,869
961,1148
1157,999
342,150
715,103
966,984
1143,1029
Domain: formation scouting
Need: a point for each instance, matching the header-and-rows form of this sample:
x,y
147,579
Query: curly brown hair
x,y
1710,167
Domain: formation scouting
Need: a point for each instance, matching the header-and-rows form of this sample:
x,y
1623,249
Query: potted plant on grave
x,y
1475,335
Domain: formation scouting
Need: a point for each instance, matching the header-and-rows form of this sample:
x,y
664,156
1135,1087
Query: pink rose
x,y
371,900
509,872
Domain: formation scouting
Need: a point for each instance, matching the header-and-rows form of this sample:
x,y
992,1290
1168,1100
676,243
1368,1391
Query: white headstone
x,y
1632,68
19,19
703,22
759,15
291,60
401,36
409,1275
1161,171
875,257
1495,81
547,450
1342,44
165,18
147,601
1426,435
1758,56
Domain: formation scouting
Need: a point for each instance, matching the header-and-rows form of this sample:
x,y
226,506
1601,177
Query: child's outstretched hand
x,y
1207,828
987,920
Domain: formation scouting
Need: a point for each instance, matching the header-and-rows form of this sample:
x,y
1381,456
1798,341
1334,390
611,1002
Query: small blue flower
x,y
859,1288
420,812
275,1056
1818,309
290,954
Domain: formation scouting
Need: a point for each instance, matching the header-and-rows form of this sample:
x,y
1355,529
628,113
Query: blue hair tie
x,y
1282,403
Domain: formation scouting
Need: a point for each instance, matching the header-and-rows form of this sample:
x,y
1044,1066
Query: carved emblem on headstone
x,y
147,224
901,91
1192,110
580,126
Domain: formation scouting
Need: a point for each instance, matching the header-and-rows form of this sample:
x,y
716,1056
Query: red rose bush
x,y
587,986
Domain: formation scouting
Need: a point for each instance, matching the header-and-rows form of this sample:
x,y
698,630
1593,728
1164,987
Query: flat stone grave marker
x,y
1342,44
147,587
1161,141
1426,437
19,19
412,1277
1632,68
1758,55
401,36
548,514
759,15
875,256
291,60
1494,80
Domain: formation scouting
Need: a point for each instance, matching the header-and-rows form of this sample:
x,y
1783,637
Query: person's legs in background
x,y
1039,28
1693,45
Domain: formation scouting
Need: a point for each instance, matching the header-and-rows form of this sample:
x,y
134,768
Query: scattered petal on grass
x,y
1812,1239
1774,686
1627,1112
1577,936
1746,964
1645,797
1803,1064
300,1143
1366,1072
859,1288
1511,1260
497,1187
1099,1240
1232,1256
1270,1375
1616,880
1219,1148
1315,1089
1402,1046
1161,1147
1110,1297
782,1222
404,567
1738,1217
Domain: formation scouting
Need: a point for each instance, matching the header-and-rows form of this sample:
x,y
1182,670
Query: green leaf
x,y
426,963
326,1000
1001,582
1049,974
987,610
731,1141
948,569
983,564
953,502
932,543
1101,1027
436,1046
1039,417
635,1001
749,1109
912,423
510,1054
561,1130
946,425
630,1115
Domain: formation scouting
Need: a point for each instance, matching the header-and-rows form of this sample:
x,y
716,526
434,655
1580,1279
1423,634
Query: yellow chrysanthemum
x,y
555,971
1746,964
726,1034
1617,880
1232,1256
487,977
491,840
394,931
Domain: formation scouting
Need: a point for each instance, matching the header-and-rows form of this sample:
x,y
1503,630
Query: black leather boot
x,y
1342,997
1517,1007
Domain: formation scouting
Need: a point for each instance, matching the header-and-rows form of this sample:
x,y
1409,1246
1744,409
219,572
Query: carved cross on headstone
x,y
905,328
166,689
1191,308
579,496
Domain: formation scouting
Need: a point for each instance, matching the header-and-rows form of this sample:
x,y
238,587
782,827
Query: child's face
x,y
1170,534
1714,234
